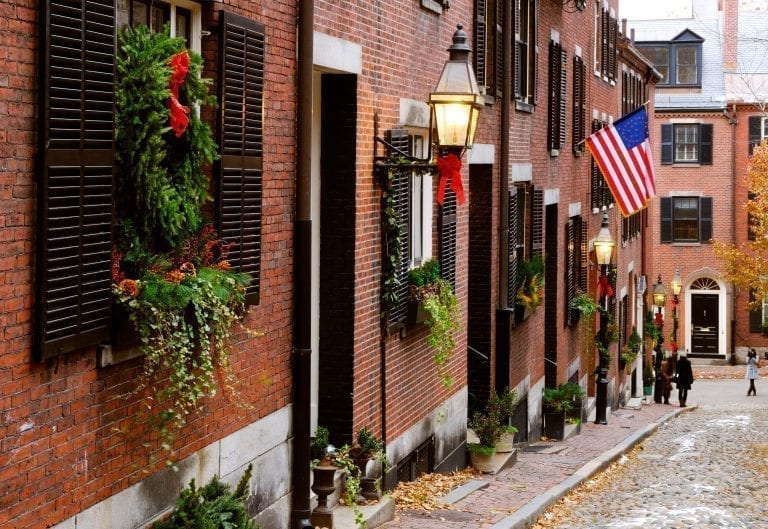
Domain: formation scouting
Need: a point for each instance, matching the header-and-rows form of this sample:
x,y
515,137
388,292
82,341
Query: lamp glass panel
x,y
452,121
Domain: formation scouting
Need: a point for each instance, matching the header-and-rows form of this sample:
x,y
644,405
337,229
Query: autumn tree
x,y
746,265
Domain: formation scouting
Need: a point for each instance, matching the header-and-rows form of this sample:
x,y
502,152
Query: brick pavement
x,y
536,472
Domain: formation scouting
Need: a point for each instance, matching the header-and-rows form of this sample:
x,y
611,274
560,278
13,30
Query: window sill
x,y
686,164
522,106
684,244
432,5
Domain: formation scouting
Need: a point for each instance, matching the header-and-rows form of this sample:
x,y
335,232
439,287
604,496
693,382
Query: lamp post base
x,y
601,396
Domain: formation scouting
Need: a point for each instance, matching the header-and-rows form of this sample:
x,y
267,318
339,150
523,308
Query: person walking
x,y
684,379
752,373
668,368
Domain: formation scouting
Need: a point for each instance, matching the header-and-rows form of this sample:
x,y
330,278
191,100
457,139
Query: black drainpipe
x,y
302,257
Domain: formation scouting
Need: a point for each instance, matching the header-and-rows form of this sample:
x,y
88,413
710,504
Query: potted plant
x,y
530,293
422,282
576,394
630,351
368,447
501,406
488,430
323,476
436,298
557,402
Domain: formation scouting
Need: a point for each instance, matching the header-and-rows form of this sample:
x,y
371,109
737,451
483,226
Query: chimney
x,y
731,34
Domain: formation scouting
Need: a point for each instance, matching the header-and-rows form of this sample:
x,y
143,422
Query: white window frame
x,y
763,128
420,231
196,24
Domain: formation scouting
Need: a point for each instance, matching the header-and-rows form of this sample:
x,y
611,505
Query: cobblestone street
x,y
704,469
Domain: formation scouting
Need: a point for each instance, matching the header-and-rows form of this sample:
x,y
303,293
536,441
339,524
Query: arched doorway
x,y
706,321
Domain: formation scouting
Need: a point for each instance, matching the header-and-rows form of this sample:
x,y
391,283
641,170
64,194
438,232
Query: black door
x,y
704,320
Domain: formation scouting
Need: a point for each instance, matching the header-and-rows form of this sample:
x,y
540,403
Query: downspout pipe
x,y
302,259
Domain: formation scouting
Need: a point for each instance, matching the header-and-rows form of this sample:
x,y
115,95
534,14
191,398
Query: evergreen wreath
x,y
169,268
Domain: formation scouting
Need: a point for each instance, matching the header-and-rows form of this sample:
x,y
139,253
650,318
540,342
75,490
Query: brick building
x,y
312,96
708,118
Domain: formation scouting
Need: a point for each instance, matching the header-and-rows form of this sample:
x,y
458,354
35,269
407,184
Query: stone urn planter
x,y
487,463
506,442
323,485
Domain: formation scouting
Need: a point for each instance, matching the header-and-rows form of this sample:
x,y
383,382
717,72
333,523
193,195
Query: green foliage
x,y
320,442
586,304
392,235
352,488
652,331
481,449
368,443
211,507
559,398
425,275
530,277
444,317
491,423
161,183
648,377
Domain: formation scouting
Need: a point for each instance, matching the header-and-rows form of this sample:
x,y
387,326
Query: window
x,y
630,226
525,51
758,131
686,219
421,206
606,32
632,90
600,193
686,143
557,96
579,105
73,263
525,237
678,60
758,317
488,45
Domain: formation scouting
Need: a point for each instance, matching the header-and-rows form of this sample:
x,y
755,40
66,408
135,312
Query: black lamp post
x,y
677,288
603,250
659,301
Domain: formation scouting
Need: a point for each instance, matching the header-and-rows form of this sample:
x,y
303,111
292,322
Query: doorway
x,y
705,317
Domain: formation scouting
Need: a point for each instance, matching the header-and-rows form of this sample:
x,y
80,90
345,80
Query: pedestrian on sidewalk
x,y
668,368
684,379
752,373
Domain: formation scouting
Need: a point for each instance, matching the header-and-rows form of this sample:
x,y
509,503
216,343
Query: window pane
x,y
764,129
140,14
685,216
659,56
686,65
183,18
686,143
122,13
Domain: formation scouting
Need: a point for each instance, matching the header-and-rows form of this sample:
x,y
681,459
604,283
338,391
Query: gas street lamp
x,y
677,288
659,301
603,251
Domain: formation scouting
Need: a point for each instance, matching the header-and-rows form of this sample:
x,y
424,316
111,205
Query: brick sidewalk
x,y
535,473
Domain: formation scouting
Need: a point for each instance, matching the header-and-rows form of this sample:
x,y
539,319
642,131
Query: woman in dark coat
x,y
684,379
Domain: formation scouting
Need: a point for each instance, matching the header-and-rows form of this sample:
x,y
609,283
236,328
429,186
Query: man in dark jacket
x,y
684,379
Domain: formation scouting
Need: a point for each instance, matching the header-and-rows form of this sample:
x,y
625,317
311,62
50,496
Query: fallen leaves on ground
x,y
724,372
559,513
424,493
760,458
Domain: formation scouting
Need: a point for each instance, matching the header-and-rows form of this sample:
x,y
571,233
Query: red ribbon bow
x,y
449,169
179,119
604,287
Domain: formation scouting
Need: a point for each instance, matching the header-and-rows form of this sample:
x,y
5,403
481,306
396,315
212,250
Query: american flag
x,y
622,150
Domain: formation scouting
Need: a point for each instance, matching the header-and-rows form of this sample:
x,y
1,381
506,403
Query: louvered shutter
x,y
755,316
537,222
498,47
448,238
604,30
562,95
519,53
75,185
513,239
705,147
594,175
240,176
666,219
667,145
579,104
755,134
584,256
613,30
554,92
705,219
480,35
570,269
401,191
533,88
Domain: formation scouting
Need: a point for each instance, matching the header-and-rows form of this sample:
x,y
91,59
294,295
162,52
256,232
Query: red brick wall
x,y
60,448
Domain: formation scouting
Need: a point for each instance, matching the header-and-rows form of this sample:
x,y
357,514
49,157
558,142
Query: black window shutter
x,y
498,47
72,307
705,219
755,316
579,104
519,53
755,123
604,50
554,93
666,219
613,30
240,177
448,238
584,256
533,50
400,190
537,222
705,149
667,156
570,269
480,51
595,176
513,238
562,101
